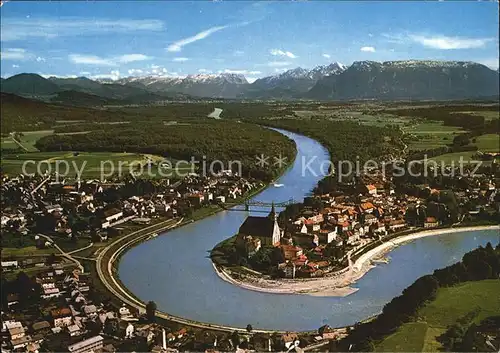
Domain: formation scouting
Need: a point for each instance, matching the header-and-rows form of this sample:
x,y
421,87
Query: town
x,y
320,236
50,231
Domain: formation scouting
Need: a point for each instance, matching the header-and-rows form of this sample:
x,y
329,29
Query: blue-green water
x,y
175,271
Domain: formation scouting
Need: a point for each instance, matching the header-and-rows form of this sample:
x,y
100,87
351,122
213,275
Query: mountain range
x,y
409,79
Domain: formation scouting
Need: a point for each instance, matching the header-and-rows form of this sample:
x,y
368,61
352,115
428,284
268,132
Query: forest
x,y
345,141
479,264
207,140
453,115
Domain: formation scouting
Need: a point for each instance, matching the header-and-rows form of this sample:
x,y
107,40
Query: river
x,y
175,271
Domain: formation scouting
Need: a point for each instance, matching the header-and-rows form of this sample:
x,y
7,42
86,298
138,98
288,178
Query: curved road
x,y
105,273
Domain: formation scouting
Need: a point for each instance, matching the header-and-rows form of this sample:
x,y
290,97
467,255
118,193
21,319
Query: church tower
x,y
272,215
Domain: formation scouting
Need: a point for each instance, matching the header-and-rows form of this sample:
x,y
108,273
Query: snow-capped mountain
x,y
408,79
292,82
224,85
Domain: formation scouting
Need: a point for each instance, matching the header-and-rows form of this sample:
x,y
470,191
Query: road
x,y
63,253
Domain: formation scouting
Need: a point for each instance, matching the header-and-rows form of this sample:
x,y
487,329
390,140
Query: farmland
x,y
92,165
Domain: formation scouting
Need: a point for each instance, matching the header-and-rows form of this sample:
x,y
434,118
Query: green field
x,y
488,115
93,164
28,140
449,158
451,304
430,134
488,143
409,338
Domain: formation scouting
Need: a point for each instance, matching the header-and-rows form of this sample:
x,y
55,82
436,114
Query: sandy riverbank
x,y
336,285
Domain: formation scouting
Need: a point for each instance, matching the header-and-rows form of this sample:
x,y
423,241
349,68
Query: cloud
x,y
40,59
177,46
56,75
135,71
204,71
112,61
240,72
15,66
113,75
281,69
90,60
326,56
180,60
14,54
238,53
278,63
128,58
449,43
368,49
84,73
23,28
279,52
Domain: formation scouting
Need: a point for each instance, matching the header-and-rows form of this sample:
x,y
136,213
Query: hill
x,y
29,84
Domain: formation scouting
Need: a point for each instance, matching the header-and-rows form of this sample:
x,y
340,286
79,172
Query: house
x,y
89,345
431,222
74,330
90,310
396,224
196,199
291,252
327,235
366,207
21,342
9,265
327,333
312,226
371,189
110,216
290,340
264,228
16,332
370,219
62,317
124,312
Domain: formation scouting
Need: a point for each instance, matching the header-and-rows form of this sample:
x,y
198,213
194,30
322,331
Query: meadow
x,y
451,304
93,164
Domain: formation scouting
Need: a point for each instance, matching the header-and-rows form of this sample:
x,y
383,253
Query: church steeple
x,y
272,215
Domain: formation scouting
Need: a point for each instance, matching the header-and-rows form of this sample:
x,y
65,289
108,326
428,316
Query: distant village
x,y
319,236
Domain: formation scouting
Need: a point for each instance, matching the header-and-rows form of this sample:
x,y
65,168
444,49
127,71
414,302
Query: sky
x,y
113,39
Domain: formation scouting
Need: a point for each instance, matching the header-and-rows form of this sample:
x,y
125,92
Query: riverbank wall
x,y
337,283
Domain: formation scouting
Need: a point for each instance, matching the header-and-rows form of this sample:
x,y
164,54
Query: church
x,y
265,229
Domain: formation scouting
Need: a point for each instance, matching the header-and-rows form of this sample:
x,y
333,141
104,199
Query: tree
x,y
235,338
249,328
51,259
151,311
